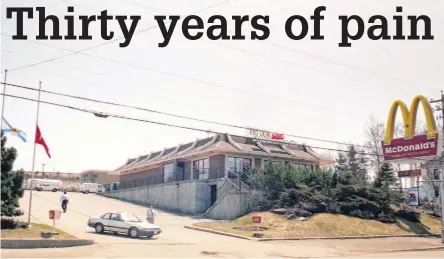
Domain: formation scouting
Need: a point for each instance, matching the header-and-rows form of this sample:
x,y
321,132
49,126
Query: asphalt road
x,y
176,241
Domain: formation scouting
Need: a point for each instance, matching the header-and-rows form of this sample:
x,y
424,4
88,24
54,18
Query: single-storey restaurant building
x,y
214,157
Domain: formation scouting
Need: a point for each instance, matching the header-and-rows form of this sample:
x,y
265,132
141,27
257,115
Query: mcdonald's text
x,y
418,146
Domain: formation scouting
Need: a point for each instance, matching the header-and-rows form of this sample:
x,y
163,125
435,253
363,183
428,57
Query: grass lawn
x,y
34,232
324,225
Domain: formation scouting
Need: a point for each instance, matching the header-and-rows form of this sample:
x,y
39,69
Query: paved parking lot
x,y
176,241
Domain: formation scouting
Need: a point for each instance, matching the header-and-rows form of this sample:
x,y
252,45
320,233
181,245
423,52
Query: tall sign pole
x,y
4,97
441,178
441,184
33,158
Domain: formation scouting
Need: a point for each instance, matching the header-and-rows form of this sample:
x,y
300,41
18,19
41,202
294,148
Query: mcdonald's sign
x,y
411,146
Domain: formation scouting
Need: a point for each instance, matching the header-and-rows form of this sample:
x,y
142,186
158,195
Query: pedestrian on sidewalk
x,y
150,215
64,200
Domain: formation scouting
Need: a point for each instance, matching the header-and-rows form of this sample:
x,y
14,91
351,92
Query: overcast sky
x,y
307,88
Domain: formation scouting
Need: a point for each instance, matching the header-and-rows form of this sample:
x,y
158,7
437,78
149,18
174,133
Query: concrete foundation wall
x,y
178,197
233,205
190,197
184,196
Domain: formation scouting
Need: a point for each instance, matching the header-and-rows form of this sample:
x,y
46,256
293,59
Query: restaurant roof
x,y
225,143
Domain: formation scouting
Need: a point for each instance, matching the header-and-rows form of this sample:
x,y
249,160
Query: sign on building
x,y
261,134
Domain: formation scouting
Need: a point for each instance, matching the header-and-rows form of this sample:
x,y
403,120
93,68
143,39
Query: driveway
x,y
176,241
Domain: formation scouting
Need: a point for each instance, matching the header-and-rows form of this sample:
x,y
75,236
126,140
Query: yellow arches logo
x,y
409,117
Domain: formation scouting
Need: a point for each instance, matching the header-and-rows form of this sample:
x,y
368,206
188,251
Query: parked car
x,y
126,223
91,188
47,187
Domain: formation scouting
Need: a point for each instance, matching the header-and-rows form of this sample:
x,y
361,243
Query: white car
x,y
126,223
46,187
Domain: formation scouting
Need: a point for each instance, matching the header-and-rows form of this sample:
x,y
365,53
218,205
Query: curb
x,y
418,249
43,243
348,237
217,232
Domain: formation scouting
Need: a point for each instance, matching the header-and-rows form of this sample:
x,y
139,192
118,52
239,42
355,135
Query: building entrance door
x,y
213,194
180,171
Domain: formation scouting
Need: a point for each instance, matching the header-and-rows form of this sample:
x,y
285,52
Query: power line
x,y
106,115
216,84
207,82
302,53
338,63
105,74
109,42
252,53
168,114
289,62
63,65
160,123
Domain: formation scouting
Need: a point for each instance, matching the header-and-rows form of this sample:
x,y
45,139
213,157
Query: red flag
x,y
39,140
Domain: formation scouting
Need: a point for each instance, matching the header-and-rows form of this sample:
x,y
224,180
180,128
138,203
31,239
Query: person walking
x,y
150,215
64,200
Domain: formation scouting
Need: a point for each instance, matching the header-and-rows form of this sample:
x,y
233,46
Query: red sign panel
x,y
408,173
418,146
257,219
277,136
51,214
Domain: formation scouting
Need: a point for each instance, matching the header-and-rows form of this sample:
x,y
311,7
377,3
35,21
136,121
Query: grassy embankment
x,y
34,232
324,225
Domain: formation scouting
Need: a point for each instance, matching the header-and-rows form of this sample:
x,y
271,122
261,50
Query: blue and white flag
x,y
16,132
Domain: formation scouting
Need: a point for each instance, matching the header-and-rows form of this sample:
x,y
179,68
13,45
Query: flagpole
x,y
4,97
33,157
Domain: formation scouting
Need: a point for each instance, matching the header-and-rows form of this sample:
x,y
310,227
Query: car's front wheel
x,y
54,190
133,232
99,228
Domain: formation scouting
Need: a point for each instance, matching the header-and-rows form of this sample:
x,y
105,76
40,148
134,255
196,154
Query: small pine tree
x,y
342,165
353,161
347,178
334,180
11,183
386,177
388,184
362,174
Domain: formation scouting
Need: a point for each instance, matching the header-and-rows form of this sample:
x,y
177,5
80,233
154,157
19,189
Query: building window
x,y
238,164
303,167
168,173
202,167
84,178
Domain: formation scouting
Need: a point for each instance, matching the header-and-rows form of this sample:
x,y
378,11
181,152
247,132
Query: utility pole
x,y
4,97
441,179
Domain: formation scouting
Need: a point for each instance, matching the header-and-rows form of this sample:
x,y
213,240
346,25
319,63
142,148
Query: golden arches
x,y
409,118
